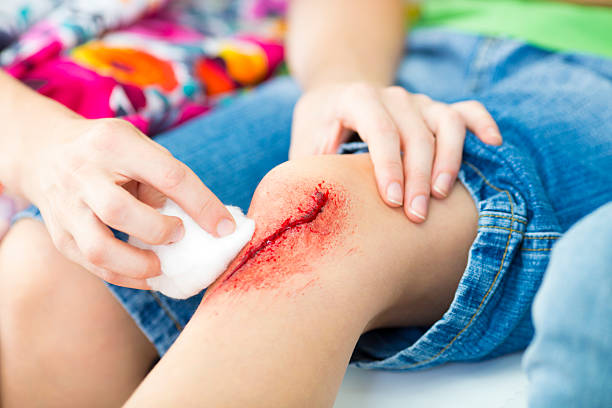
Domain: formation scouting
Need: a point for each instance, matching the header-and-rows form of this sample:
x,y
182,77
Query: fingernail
x,y
225,227
394,193
178,234
443,184
418,206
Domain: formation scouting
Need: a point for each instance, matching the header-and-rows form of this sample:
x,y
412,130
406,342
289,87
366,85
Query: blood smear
x,y
292,233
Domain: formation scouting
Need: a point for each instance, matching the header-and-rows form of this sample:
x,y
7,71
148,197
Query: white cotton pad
x,y
193,263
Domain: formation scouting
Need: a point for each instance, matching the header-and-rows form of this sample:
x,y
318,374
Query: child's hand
x,y
393,122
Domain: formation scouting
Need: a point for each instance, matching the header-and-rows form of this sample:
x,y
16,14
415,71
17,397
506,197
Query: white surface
x,y
194,262
497,383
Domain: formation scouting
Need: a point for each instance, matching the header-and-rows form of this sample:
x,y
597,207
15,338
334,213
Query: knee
x,y
303,220
311,198
291,184
26,256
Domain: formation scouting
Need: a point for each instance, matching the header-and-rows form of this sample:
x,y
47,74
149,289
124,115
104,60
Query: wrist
x,y
341,71
27,157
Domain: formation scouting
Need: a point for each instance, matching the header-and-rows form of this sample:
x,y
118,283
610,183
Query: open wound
x,y
286,245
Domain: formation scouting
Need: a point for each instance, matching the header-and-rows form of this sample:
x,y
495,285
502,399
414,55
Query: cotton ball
x,y
193,263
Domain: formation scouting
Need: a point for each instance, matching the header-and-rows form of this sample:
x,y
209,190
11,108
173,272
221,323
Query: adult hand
x,y
105,172
415,142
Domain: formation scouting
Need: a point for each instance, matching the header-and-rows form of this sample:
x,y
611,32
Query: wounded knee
x,y
301,221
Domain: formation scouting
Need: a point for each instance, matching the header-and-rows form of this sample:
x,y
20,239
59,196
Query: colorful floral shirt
x,y
154,63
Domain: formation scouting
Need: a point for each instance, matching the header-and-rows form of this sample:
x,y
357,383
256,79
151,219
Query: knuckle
x,y
174,175
397,92
391,166
418,185
111,211
453,115
474,105
387,128
360,90
418,174
420,179
106,134
94,252
425,140
72,162
422,98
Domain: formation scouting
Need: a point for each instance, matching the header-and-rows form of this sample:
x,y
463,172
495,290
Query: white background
x,y
497,383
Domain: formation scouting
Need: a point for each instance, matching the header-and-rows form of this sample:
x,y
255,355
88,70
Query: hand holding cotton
x,y
193,263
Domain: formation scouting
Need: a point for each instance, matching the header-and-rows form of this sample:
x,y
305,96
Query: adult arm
x,y
344,54
86,174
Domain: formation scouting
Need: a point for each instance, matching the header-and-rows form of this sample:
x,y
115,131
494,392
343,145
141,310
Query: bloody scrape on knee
x,y
297,225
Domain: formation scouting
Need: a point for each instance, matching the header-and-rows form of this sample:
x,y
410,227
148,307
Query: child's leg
x,y
71,319
569,363
278,328
64,339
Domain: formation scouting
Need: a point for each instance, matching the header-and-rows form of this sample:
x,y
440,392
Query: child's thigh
x,y
54,311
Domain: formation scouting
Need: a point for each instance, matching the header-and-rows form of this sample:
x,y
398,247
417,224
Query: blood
x,y
297,228
320,199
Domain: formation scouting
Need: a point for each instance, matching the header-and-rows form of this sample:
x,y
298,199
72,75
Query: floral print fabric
x,y
154,63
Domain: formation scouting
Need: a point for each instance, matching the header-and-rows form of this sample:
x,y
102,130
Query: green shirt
x,y
549,24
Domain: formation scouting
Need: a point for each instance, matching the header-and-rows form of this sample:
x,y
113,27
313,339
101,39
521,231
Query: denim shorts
x,y
554,167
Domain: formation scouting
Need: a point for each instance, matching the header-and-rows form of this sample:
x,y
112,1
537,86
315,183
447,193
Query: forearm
x,y
344,41
27,119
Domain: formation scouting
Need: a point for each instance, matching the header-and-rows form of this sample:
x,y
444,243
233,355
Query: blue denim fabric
x,y
569,363
555,166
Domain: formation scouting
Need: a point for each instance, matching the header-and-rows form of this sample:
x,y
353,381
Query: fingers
x,y
361,109
119,209
449,128
108,256
66,244
479,121
149,196
418,144
392,120
176,181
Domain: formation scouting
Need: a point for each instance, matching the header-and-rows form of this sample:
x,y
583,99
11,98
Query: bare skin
x,y
308,320
284,339
62,333
347,75
72,215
